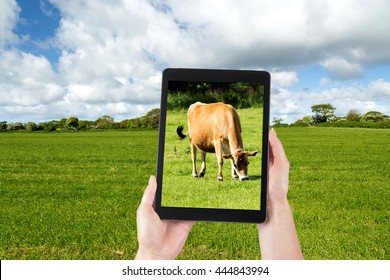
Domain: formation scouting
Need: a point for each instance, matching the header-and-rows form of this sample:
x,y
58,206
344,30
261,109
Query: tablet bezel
x,y
214,214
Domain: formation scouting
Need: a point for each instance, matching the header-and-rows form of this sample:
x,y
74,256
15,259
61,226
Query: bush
x,y
300,123
49,126
15,126
357,124
280,125
353,115
375,116
84,125
104,122
3,126
31,126
72,122
239,95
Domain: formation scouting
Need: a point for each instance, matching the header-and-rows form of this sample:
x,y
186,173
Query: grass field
x,y
75,195
72,195
180,189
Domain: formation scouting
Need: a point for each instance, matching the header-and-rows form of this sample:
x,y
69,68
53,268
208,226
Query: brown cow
x,y
215,128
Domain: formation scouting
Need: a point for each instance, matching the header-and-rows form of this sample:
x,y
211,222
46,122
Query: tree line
x,y
181,94
323,115
149,121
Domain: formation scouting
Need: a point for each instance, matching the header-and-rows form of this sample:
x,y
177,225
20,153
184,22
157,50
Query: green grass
x,y
339,191
181,189
72,195
75,195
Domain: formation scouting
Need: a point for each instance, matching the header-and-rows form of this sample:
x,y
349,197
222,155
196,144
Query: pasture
x,y
75,195
181,190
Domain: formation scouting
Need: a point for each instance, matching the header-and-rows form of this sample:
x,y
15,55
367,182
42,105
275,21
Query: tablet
x,y
213,123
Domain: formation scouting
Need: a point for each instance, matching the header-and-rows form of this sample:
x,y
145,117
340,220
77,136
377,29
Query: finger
x,y
276,147
150,192
271,143
188,224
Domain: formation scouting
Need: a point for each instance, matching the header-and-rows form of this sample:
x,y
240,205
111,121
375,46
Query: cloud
x,y
292,106
339,68
46,8
9,11
379,89
27,80
283,33
112,52
284,78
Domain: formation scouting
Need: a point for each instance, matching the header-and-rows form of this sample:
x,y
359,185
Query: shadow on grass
x,y
255,177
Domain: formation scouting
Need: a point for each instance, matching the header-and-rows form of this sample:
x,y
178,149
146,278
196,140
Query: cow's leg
x,y
203,168
218,153
193,156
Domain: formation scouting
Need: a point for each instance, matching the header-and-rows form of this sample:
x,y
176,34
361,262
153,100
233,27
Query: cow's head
x,y
240,162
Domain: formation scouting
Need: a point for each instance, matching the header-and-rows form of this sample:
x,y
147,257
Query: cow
x,y
216,128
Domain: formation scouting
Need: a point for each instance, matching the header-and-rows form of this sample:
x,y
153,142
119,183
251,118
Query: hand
x,y
278,237
158,239
278,170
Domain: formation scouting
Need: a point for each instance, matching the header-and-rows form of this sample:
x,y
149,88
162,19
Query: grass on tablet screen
x,y
180,189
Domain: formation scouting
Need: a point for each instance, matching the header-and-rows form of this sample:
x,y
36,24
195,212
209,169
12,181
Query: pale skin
x,y
164,239
278,237
158,239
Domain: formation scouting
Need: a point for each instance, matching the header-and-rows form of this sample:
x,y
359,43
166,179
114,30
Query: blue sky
x,y
89,58
39,21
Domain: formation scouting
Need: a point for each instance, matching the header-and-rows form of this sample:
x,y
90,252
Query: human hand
x,y
158,239
278,237
278,170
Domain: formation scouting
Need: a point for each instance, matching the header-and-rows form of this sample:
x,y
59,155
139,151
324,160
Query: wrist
x,y
277,203
142,255
275,208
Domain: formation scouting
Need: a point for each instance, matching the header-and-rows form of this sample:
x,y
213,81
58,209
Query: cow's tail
x,y
179,131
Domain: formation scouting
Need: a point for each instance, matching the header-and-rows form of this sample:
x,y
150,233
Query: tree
x,y
62,123
15,126
134,123
353,115
84,125
277,121
152,118
375,116
104,122
49,126
123,124
308,120
323,113
31,126
3,125
72,122
305,121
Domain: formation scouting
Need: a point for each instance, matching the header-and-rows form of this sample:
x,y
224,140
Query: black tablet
x,y
213,123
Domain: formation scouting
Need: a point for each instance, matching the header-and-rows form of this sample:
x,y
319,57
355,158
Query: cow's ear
x,y
251,154
228,156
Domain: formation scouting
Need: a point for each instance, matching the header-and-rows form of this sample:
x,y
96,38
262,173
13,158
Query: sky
x,y
89,58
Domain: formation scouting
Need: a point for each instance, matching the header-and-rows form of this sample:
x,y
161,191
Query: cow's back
x,y
212,122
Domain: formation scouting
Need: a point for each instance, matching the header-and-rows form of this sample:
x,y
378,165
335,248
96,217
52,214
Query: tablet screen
x,y
212,151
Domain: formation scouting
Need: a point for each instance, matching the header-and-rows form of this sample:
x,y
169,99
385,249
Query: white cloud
x,y
341,69
27,80
113,52
294,105
379,89
284,78
8,17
